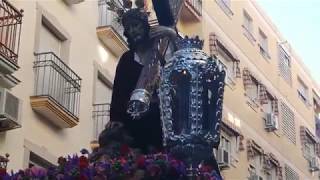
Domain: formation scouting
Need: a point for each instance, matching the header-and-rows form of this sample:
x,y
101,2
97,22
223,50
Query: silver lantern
x,y
191,96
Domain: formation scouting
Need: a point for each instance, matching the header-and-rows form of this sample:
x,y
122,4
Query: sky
x,y
299,23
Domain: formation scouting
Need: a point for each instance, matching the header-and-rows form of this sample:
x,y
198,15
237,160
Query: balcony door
x,y
53,79
49,42
101,106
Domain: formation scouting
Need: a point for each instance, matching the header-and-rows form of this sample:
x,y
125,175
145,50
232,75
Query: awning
x,y
230,128
216,45
253,149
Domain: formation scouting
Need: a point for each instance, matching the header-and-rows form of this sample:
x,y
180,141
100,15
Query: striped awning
x,y
253,149
217,46
270,161
316,99
230,128
307,136
247,78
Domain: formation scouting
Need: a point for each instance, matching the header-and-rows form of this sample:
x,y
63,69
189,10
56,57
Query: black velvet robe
x,y
146,131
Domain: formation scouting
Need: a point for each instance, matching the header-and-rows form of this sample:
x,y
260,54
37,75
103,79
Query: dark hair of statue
x,y
139,15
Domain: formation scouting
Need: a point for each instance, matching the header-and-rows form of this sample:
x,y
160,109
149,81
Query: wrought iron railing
x,y
196,5
54,79
109,18
101,116
10,30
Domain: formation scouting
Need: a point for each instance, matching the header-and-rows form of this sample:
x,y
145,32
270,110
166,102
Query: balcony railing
x,y
101,116
10,30
55,80
196,5
109,18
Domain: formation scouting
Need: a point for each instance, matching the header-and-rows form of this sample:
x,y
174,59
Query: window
x,y
103,90
263,45
225,5
223,154
253,91
290,174
309,152
226,148
49,42
230,144
53,77
248,27
37,161
219,50
258,171
267,106
247,22
288,123
101,106
302,91
309,144
255,168
285,65
316,107
316,104
230,69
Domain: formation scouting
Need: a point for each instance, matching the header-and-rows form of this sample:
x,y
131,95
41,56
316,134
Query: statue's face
x,y
136,31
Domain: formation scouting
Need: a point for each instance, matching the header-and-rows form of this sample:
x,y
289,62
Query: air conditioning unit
x,y
10,107
223,158
314,164
271,122
255,177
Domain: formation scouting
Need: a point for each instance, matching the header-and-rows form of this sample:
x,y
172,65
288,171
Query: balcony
x,y
10,30
101,116
110,30
56,91
192,10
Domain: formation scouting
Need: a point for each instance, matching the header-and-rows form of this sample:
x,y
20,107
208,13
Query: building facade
x,y
68,52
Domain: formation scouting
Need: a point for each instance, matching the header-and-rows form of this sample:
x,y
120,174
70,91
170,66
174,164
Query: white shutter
x,y
290,173
285,65
49,42
103,92
288,123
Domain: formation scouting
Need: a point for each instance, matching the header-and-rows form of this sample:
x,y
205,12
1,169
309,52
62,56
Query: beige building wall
x,y
84,53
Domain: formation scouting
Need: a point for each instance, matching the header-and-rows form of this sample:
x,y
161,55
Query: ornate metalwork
x,y
53,78
101,116
10,30
191,96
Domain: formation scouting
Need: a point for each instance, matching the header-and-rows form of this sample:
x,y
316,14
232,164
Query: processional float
x,y
190,88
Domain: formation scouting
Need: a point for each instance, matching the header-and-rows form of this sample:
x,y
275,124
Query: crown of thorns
x,y
125,10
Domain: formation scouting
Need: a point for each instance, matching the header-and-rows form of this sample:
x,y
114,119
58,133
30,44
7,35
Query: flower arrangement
x,y
129,166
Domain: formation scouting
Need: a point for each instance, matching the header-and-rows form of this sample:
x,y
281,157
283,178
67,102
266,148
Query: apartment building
x,y
271,102
67,51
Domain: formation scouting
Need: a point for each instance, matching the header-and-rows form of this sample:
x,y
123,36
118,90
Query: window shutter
x,y
247,78
238,70
290,173
303,137
284,65
275,106
288,123
263,95
213,44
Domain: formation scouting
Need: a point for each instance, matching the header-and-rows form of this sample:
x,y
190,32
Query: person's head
x,y
136,26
